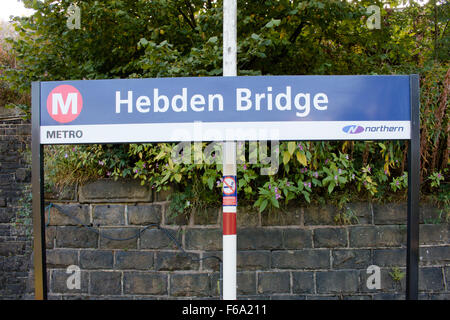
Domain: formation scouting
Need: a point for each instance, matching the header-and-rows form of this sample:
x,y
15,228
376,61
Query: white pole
x,y
229,158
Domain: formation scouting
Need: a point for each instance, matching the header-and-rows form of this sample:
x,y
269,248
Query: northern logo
x,y
64,103
353,129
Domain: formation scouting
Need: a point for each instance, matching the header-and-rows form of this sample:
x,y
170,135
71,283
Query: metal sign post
x,y
37,189
229,208
412,253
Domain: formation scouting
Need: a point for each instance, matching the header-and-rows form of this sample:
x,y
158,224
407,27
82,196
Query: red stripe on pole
x,y
229,223
229,201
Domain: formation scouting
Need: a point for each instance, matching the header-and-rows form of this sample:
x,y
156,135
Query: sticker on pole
x,y
229,191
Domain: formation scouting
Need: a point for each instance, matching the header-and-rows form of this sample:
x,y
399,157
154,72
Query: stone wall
x,y
15,244
299,254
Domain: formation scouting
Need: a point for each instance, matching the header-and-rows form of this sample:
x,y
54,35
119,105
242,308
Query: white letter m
x,y
57,99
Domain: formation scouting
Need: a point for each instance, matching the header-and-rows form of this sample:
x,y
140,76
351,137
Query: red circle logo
x,y
64,103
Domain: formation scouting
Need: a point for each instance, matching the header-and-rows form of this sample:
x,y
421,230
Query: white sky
x,y
13,7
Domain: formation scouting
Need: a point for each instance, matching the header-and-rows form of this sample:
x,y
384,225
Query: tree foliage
x,y
162,38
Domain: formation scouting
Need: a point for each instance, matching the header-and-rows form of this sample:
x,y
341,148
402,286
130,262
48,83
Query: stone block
x,y
379,236
274,282
203,239
301,259
434,255
6,179
59,278
330,237
70,215
434,234
50,235
144,214
6,215
151,283
431,279
303,282
16,264
296,238
389,257
259,239
253,260
246,283
392,213
190,285
138,260
428,213
96,259
108,190
362,211
66,193
5,230
128,238
164,194
247,217
75,237
172,218
209,216
362,236
159,239
210,262
172,261
61,258
351,259
23,175
391,236
290,217
340,281
108,215
105,283
323,215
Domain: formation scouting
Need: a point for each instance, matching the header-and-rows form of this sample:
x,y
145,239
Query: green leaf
x,y
213,39
263,205
273,23
142,43
274,202
302,158
306,195
291,147
255,36
286,157
211,182
331,187
242,183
